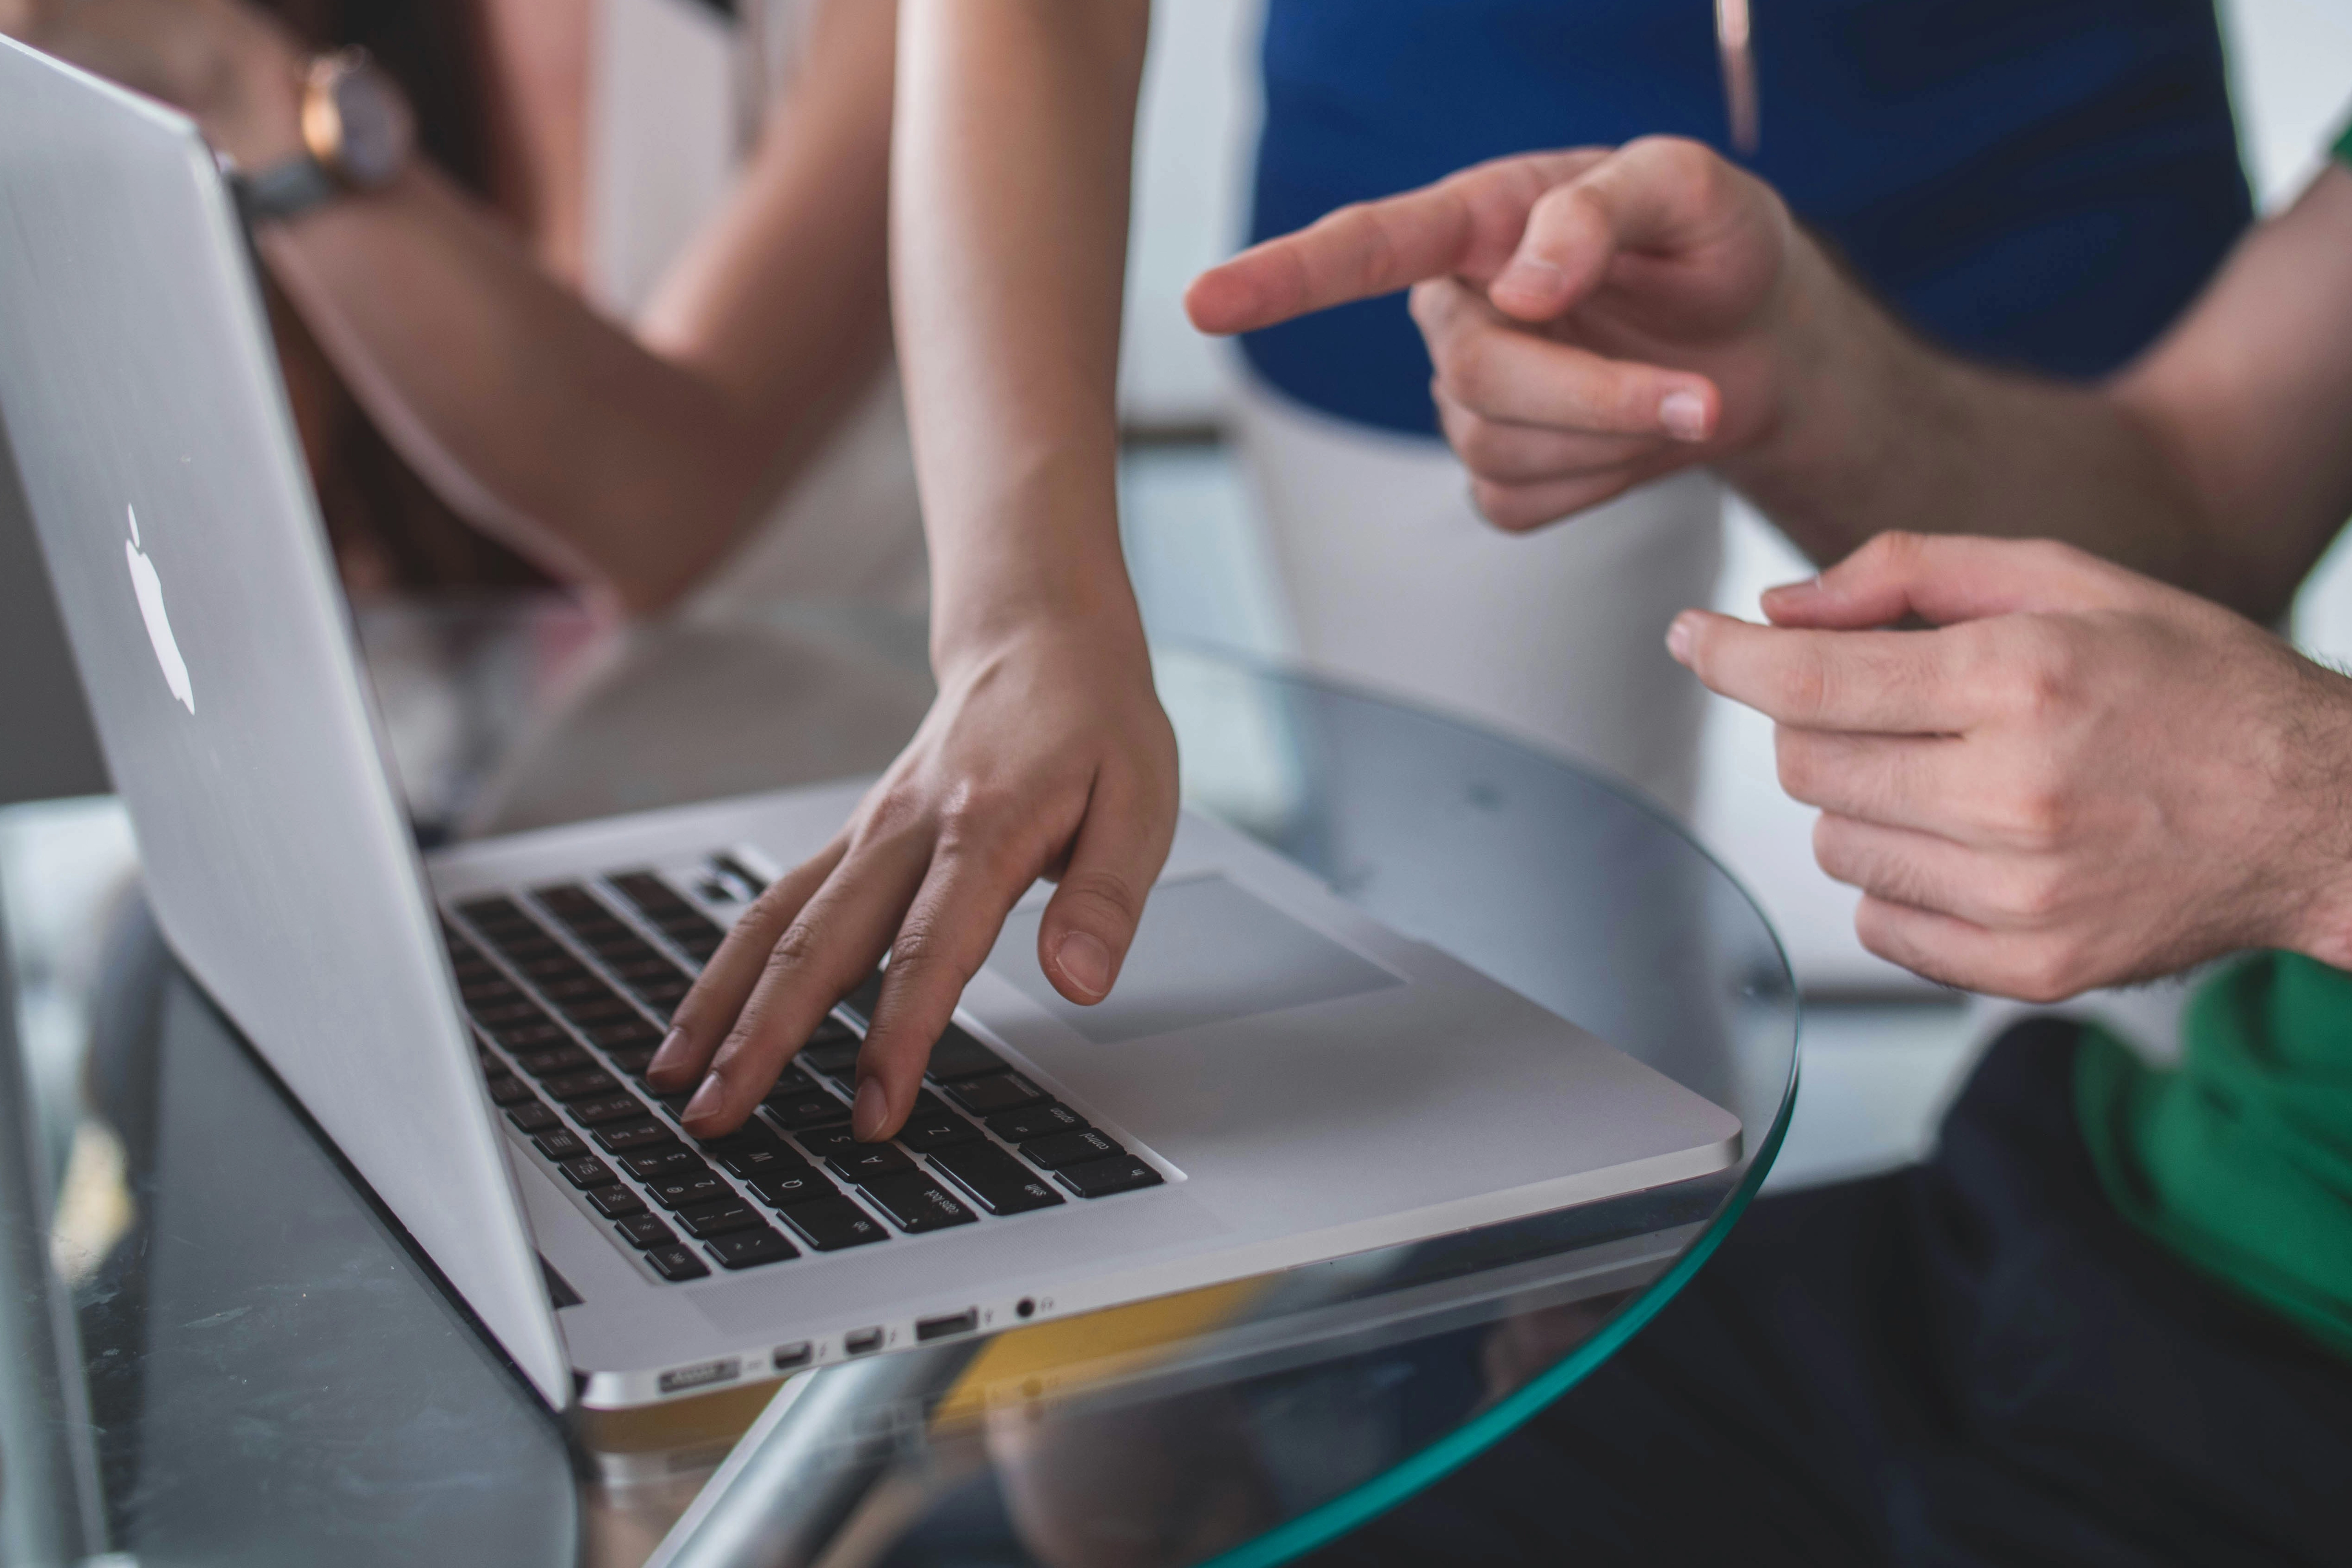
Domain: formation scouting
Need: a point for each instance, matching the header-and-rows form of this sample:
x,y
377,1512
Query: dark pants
x,y
1974,1361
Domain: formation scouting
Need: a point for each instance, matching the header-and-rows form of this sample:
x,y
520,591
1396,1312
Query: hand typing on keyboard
x,y
1050,759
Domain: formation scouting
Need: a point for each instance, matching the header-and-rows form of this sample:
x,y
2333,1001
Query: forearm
x,y
538,418
1880,431
1010,202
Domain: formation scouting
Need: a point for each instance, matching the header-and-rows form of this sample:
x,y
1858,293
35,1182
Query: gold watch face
x,y
356,121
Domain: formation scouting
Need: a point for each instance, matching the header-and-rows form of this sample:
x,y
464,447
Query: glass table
x,y
220,1349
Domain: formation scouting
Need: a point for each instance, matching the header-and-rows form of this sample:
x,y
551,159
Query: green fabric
x,y
2344,145
2240,1159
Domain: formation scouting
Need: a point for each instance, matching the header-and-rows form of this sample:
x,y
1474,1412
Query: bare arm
x,y
1562,319
1011,196
2218,462
1046,753
631,461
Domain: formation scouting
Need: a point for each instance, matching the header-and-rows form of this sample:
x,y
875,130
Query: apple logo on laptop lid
x,y
149,586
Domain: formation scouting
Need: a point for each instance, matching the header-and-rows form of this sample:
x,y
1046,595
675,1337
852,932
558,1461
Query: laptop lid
x,y
158,459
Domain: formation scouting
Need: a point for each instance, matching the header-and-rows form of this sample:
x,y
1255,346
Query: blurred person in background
x,y
472,416
2039,183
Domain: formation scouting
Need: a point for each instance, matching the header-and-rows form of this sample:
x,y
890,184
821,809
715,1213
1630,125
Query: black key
x,y
757,1164
750,1248
586,1172
675,1263
581,987
916,1204
834,1058
531,1116
647,1230
652,1164
629,1035
554,1060
686,1191
956,1055
868,1163
530,1036
706,1220
673,1103
544,964
619,1203
598,1012
862,1000
652,895
643,965
1035,1122
560,1145
1100,1178
579,1085
663,995
931,1126
987,1096
635,1060
491,908
629,1137
508,1089
791,1081
508,1015
1070,1148
809,1109
825,1143
783,1189
998,1182
832,1223
606,1107
486,996
832,1031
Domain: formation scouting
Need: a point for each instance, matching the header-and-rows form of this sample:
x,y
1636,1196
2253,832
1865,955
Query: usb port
x,y
860,1341
790,1356
963,1322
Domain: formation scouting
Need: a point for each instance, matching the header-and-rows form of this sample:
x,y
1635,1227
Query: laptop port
x,y
929,1329
859,1341
790,1356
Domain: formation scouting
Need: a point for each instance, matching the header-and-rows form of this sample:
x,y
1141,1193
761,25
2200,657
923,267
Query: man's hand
x,y
1597,318
1048,757
2079,777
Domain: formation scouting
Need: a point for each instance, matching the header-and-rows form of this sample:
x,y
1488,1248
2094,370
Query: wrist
x,y
1841,370
2315,914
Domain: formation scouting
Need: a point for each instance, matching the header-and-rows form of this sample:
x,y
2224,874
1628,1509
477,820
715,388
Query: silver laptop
x,y
1277,1080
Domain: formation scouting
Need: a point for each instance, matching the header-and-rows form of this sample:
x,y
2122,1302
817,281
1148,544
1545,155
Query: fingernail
x,y
1085,963
705,1101
672,1051
1532,275
1792,590
872,1110
1684,414
1678,639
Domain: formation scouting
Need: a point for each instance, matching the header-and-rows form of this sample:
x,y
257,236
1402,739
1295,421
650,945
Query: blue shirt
x,y
2044,183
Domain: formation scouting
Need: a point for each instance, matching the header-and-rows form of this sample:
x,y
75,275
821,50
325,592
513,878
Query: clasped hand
x,y
2077,777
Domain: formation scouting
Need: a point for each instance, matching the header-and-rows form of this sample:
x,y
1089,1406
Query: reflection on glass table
x,y
270,1373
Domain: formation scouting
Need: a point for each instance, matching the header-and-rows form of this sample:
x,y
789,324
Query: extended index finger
x,y
1890,683
1466,224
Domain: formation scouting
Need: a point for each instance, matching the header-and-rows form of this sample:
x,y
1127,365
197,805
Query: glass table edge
x,y
1326,1521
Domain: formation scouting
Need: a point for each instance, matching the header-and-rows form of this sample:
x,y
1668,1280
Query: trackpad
x,y
1207,953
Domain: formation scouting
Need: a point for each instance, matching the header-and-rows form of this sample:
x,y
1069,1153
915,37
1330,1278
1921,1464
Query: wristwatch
x,y
357,135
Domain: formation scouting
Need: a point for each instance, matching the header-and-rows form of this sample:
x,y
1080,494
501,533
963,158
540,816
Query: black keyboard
x,y
568,986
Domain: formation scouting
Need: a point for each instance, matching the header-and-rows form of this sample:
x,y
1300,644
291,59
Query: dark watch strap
x,y
285,190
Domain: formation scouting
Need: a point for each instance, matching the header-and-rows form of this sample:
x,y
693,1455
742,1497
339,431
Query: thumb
x,y
1089,923
1945,578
